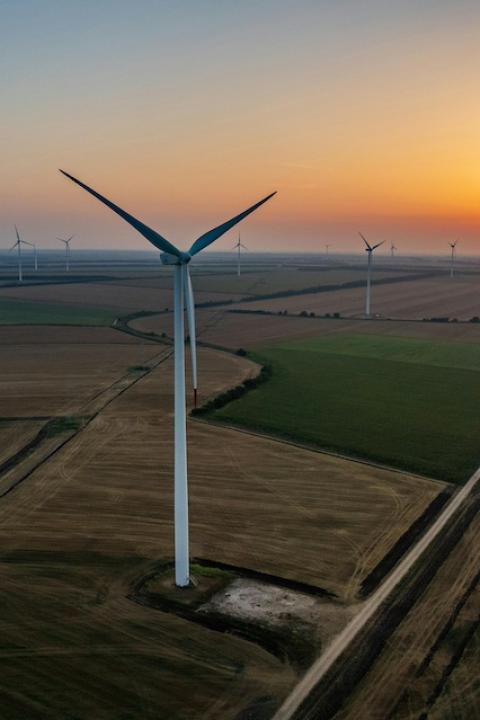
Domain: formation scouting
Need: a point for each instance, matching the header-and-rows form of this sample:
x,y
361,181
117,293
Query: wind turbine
x,y
392,250
171,255
452,264
369,249
239,246
326,249
67,251
18,245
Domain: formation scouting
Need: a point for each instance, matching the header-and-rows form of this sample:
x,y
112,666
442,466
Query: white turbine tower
x,y
18,245
182,289
452,262
369,250
67,251
239,247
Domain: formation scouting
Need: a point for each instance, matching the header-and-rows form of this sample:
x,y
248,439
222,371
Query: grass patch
x,y
408,403
26,312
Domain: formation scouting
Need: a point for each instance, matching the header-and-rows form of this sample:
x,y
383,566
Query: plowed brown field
x,y
416,299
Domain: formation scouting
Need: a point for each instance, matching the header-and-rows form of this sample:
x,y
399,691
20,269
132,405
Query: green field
x,y
26,312
412,404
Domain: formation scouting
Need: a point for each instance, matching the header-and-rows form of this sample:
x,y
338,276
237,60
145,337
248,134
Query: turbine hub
x,y
169,259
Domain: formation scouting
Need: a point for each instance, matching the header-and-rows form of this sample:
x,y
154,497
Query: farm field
x,y
460,697
14,434
37,379
331,393
98,296
234,330
97,516
25,312
271,280
416,299
423,670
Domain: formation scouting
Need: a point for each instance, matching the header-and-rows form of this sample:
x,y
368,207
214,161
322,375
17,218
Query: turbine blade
x,y
18,236
151,235
365,241
378,245
190,304
209,237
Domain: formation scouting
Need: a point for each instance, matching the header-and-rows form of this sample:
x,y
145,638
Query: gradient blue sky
x,y
361,114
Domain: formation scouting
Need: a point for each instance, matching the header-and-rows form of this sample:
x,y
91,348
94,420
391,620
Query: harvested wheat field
x,y
15,434
333,514
413,299
36,381
92,520
234,330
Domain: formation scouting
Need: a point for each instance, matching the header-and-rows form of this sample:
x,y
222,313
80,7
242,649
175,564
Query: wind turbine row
x,y
171,255
18,244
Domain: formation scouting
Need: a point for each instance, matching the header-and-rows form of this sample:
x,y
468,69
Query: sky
x,y
362,114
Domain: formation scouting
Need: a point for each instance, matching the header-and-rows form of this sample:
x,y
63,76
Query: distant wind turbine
x,y
67,251
369,250
171,255
239,247
18,245
452,262
326,249
392,250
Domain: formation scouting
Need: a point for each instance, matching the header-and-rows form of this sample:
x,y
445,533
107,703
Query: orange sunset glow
x,y
360,116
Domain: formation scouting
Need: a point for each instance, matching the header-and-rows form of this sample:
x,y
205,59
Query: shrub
x,y
234,393
241,352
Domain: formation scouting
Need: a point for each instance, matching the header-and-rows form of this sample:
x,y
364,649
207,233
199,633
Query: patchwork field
x,y
94,518
84,525
234,330
332,392
415,299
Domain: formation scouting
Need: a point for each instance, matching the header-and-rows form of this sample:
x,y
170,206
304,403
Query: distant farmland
x,y
25,312
330,392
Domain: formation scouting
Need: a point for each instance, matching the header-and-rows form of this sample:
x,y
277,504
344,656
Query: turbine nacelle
x,y
169,259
